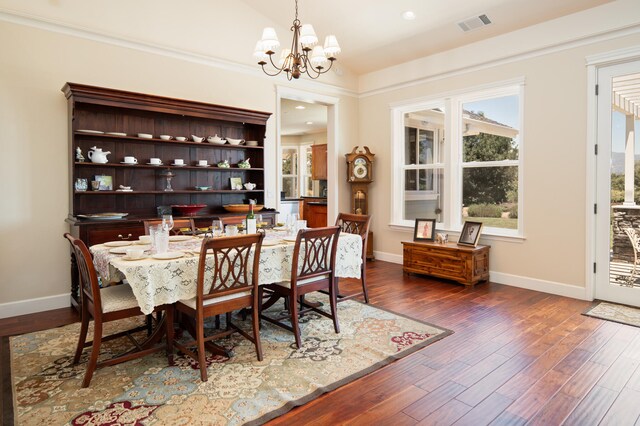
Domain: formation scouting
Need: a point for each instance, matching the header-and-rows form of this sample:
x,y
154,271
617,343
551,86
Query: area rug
x,y
616,313
45,386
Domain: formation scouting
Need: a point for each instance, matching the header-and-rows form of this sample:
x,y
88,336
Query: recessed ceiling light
x,y
300,107
309,122
408,15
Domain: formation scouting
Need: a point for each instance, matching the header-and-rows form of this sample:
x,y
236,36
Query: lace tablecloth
x,y
156,282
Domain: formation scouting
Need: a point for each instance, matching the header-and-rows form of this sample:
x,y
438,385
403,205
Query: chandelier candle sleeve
x,y
304,57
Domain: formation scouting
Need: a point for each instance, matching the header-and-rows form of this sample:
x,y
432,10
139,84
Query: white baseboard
x,y
543,286
29,306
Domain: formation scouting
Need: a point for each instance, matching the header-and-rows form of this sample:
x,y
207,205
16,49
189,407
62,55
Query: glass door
x,y
618,185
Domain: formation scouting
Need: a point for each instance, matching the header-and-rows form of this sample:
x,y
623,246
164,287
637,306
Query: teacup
x,y
130,160
181,138
146,239
202,163
135,253
178,162
155,161
165,137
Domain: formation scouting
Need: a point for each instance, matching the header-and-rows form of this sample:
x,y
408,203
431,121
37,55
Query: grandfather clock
x,y
360,175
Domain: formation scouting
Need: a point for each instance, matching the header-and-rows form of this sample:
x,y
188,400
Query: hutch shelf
x,y
112,119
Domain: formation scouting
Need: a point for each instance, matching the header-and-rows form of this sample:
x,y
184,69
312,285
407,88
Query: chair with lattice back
x,y
232,285
312,269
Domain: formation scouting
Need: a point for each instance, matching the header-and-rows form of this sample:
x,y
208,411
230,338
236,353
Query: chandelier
x,y
304,57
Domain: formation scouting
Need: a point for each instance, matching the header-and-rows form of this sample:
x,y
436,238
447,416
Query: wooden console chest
x,y
466,265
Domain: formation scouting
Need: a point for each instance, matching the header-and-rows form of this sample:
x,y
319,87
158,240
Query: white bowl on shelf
x,y
145,136
235,141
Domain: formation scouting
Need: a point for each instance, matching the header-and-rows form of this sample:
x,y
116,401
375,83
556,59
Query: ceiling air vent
x,y
474,23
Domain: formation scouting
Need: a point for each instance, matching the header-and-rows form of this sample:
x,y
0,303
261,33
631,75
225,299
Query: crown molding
x,y
532,53
38,22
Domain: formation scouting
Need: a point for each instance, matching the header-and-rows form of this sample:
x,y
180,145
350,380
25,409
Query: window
x,y
459,158
296,171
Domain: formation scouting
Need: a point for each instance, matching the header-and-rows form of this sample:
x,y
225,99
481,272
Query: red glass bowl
x,y
188,209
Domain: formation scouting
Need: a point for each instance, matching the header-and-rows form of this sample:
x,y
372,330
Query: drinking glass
x,y
217,228
167,222
162,239
259,221
292,220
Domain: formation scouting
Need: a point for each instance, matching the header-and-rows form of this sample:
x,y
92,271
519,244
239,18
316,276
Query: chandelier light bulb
x,y
331,46
307,35
270,39
259,52
318,58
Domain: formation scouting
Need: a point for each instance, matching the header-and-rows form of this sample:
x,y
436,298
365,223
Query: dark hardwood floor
x,y
517,357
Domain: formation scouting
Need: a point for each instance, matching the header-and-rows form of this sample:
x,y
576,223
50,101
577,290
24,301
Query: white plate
x,y
168,255
279,228
118,243
290,239
206,165
178,165
271,242
116,134
131,164
145,135
134,258
175,238
151,164
142,243
119,250
95,132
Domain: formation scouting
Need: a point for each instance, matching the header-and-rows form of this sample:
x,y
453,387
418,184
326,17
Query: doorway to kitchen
x,y
306,154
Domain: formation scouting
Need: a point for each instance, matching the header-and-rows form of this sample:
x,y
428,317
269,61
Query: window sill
x,y
486,237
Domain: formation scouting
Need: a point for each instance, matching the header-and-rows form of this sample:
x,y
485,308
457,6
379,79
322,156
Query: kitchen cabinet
x,y
319,162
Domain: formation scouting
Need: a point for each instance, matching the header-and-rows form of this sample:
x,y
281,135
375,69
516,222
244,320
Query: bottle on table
x,y
251,220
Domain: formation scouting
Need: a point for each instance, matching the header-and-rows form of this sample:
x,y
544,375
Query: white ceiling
x,y
373,34
294,121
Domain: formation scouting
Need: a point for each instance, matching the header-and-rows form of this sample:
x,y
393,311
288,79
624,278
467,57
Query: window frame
x,y
301,177
451,103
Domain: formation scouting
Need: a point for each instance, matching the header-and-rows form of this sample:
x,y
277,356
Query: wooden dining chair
x,y
313,271
232,286
105,305
356,224
183,226
232,220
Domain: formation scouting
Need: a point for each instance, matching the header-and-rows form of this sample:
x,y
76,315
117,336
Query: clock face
x,y
360,171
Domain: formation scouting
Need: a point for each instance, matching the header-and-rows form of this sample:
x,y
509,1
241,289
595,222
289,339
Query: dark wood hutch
x,y
127,114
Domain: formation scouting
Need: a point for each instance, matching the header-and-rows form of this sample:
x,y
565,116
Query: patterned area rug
x,y
616,313
46,388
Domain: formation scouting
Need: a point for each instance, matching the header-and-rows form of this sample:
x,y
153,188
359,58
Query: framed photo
x,y
106,182
425,230
470,234
235,182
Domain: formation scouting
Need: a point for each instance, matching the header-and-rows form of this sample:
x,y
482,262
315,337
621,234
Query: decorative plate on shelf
x,y
103,216
117,243
188,209
242,208
95,132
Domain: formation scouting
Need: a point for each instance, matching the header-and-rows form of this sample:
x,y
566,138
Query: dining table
x,y
157,279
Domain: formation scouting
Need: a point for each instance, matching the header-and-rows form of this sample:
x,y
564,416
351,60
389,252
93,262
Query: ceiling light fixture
x,y
309,122
300,107
408,15
304,57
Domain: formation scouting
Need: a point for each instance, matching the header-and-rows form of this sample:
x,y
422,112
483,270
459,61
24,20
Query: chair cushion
x,y
287,284
117,298
192,302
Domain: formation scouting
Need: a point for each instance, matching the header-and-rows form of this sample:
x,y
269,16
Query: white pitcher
x,y
97,156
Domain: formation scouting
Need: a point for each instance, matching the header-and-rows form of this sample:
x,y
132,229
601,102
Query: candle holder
x,y
168,175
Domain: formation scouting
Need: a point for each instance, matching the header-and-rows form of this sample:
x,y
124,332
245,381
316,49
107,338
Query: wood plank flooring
x,y
517,357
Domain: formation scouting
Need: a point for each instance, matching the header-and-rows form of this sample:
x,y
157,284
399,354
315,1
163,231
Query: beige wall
x,y
555,146
34,66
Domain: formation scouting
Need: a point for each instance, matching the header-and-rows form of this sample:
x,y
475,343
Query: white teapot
x,y
96,155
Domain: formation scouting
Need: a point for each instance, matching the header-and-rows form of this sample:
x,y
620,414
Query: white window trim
x,y
452,198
